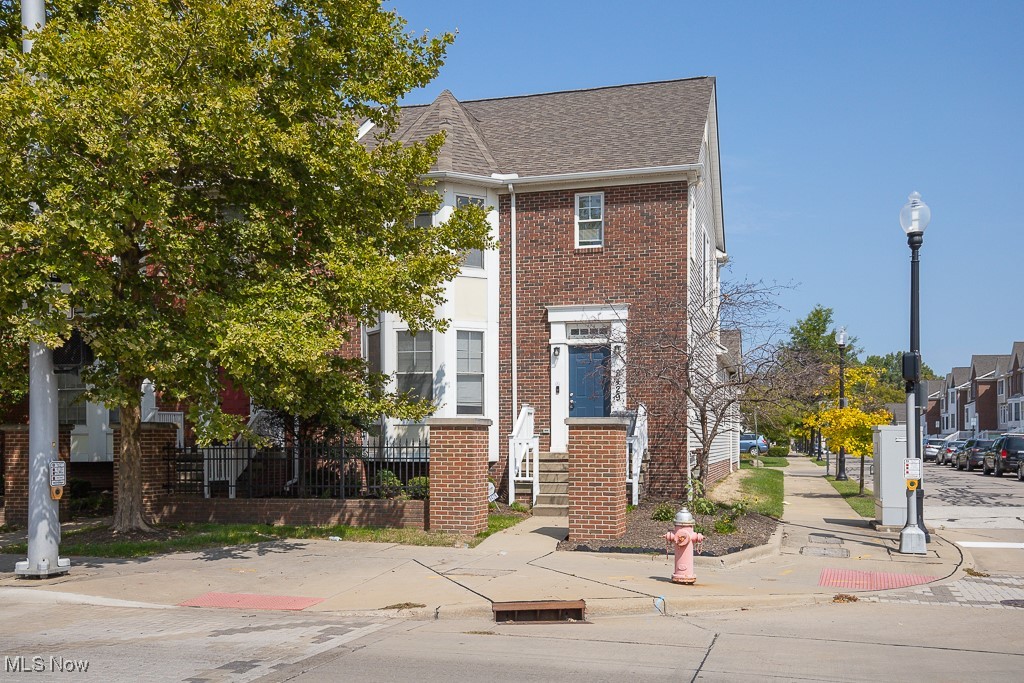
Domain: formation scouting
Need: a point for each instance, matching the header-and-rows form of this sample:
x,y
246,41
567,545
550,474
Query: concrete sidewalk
x,y
821,538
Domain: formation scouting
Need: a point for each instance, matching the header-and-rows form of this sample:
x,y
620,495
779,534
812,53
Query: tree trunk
x,y
128,514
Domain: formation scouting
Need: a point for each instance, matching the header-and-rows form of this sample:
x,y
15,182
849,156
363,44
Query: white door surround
x,y
564,322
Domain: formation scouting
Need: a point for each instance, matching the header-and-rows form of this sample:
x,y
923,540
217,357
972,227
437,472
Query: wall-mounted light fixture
x,y
557,350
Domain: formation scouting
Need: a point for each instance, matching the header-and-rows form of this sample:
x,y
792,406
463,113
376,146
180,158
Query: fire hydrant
x,y
684,538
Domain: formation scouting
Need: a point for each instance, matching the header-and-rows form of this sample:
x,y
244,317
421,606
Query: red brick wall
x,y
157,437
717,470
379,513
643,263
597,478
986,407
15,453
458,474
933,418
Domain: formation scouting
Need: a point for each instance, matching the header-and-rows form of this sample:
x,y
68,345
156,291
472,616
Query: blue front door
x,y
589,394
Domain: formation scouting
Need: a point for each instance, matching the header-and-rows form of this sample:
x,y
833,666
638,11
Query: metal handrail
x,y
637,443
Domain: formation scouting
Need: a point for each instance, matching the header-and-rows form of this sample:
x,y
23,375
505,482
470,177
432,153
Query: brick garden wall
x,y
381,513
643,263
597,477
156,438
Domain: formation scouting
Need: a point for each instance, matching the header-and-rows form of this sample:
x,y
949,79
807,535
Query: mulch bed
x,y
645,535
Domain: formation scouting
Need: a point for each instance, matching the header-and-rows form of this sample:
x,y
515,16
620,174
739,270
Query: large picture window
x,y
470,381
415,372
474,258
590,220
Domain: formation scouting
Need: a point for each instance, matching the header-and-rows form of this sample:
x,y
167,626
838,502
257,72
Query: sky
x,y
830,114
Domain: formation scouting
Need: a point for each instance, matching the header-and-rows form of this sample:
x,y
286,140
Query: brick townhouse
x,y
607,207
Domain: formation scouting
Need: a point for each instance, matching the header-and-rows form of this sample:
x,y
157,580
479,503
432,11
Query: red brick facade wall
x,y
14,451
717,470
985,406
597,478
380,513
458,474
643,263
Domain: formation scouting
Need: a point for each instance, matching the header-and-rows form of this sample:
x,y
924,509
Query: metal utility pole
x,y
43,509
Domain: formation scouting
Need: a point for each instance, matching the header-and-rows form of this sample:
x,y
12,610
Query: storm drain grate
x,y
1012,603
540,611
812,551
877,581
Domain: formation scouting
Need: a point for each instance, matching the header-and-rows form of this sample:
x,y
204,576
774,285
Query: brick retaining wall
x,y
356,512
597,477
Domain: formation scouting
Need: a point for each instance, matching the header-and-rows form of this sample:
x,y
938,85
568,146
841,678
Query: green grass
x,y
774,461
496,523
862,505
819,463
764,486
191,537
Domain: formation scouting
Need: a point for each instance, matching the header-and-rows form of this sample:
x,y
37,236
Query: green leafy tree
x,y
890,370
190,171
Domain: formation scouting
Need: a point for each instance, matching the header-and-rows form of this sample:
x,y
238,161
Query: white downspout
x,y
515,340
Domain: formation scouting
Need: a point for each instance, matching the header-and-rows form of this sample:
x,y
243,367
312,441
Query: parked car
x,y
971,455
931,449
947,454
1004,455
755,444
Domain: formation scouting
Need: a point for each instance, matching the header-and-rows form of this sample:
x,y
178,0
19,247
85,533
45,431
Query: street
x,y
828,642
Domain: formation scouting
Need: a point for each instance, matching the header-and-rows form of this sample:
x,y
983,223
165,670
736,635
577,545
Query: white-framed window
x,y
699,262
1000,387
415,371
474,258
423,220
71,408
469,390
373,360
590,220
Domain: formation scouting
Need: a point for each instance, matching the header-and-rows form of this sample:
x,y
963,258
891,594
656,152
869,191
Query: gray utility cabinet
x,y
890,485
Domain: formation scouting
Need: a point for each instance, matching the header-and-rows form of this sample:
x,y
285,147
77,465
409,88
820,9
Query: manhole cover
x,y
824,552
828,540
1012,603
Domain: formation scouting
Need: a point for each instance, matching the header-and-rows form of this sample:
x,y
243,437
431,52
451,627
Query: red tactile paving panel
x,y
870,581
251,601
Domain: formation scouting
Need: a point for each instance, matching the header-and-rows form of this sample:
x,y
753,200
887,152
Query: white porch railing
x,y
636,451
524,455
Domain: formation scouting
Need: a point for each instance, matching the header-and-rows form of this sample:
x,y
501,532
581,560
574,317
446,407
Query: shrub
x,y
418,488
725,525
79,488
388,484
518,507
664,512
779,451
704,506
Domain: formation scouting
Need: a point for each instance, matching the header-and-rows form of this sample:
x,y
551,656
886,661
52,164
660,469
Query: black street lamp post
x,y
914,219
841,342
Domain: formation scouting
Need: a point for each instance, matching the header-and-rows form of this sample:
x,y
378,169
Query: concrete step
x,y
561,500
557,487
550,510
553,457
547,477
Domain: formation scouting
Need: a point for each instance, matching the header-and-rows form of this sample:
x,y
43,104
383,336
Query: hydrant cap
x,y
683,517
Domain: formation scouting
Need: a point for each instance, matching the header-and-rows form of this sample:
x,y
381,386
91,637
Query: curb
x,y
772,547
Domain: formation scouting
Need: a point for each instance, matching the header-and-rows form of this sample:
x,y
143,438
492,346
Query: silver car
x,y
931,448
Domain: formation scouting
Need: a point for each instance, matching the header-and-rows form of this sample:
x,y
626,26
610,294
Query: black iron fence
x,y
339,471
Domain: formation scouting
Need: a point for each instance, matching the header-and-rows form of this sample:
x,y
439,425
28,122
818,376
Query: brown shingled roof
x,y
621,127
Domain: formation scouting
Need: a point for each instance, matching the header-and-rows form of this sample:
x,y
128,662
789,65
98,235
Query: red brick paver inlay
x,y
251,601
871,581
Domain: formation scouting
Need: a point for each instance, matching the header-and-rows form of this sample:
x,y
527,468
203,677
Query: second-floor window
x,y
415,371
590,220
474,258
71,407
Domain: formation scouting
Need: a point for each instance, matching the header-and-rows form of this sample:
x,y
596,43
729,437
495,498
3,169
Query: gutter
x,y
500,180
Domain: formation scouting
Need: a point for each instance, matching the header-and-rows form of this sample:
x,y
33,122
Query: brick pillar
x,y
14,449
597,477
15,454
157,439
458,474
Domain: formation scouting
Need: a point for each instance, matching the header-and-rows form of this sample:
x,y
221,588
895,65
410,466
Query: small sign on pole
x,y
58,473
911,468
